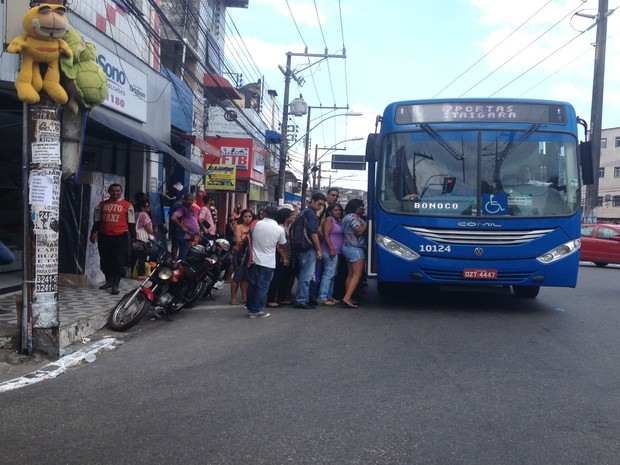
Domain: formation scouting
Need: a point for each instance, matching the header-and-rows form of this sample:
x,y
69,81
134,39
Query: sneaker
x,y
306,306
259,315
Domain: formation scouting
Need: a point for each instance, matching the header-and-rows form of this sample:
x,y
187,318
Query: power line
x,y
490,51
520,51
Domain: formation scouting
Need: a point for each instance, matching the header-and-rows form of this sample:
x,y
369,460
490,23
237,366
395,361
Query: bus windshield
x,y
480,173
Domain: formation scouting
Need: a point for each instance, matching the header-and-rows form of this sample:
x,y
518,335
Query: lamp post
x,y
316,160
304,184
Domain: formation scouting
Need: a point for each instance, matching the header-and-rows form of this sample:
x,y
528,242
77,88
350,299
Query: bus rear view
x,y
476,192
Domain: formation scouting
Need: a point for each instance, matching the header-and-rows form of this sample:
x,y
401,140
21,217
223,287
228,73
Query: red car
x,y
600,243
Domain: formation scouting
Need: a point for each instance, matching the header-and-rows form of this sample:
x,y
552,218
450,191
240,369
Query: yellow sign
x,y
221,177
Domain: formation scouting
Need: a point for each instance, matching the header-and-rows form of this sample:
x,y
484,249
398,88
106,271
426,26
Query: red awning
x,y
220,87
202,144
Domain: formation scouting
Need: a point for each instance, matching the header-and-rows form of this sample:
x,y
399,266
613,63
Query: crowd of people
x,y
264,267
328,273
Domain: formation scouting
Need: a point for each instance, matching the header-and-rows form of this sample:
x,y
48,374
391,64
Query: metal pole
x,y
284,144
596,114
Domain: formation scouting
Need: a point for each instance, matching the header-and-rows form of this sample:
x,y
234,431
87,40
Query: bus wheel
x,y
601,264
526,292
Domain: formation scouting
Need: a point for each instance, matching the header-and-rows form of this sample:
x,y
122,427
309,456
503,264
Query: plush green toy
x,y
85,80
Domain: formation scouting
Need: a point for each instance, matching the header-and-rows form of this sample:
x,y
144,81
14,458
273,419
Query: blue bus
x,y
476,192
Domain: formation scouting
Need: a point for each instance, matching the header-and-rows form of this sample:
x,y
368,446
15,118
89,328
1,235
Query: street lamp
x,y
304,184
316,160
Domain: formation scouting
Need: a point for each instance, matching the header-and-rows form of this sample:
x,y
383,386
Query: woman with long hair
x,y
332,240
354,227
240,273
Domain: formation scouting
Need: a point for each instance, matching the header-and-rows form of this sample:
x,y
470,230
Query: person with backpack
x,y
305,242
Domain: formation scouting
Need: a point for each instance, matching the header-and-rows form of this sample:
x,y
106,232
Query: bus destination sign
x,y
480,112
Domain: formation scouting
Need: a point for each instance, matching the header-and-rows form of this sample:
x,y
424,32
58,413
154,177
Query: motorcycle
x,y
165,289
220,253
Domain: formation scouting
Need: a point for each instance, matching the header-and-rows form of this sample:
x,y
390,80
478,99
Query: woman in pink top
x,y
333,238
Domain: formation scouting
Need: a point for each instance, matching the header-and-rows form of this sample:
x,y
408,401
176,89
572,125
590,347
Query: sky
x,y
417,49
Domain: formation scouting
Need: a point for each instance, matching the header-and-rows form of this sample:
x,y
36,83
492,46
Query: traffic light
x,y
448,184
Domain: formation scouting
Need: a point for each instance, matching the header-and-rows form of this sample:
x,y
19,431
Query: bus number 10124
x,y
434,248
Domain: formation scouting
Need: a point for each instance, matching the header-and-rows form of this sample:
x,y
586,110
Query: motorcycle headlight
x,y
396,247
560,252
164,273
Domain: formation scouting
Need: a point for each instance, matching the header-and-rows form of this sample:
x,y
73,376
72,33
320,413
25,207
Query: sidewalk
x,y
83,311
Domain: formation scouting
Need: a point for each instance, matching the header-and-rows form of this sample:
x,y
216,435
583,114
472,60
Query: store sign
x,y
238,156
221,177
127,85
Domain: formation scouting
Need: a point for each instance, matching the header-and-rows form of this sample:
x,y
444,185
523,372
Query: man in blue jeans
x,y
307,259
267,237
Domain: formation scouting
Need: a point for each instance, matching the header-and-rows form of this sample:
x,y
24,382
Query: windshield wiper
x,y
441,141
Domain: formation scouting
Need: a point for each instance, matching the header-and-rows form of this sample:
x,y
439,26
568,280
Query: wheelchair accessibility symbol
x,y
495,204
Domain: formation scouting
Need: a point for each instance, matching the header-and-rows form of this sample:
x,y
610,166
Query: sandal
x,y
273,304
348,305
326,302
234,302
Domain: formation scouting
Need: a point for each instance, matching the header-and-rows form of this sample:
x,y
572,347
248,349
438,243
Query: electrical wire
x,y
491,51
521,50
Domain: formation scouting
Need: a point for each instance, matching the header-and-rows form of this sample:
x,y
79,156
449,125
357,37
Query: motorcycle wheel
x,y
178,302
194,292
129,311
208,286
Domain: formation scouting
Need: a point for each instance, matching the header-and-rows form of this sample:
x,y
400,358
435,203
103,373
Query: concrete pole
x,y
41,227
596,114
304,177
284,144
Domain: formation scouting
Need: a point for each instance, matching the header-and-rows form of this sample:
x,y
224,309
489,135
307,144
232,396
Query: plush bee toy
x,y
45,26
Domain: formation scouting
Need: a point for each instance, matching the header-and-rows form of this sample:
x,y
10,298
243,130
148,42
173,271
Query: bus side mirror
x,y
373,148
585,158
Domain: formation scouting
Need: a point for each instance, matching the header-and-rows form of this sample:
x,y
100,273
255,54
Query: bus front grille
x,y
469,237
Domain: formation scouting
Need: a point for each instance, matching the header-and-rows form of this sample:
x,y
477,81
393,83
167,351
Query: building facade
x,y
608,199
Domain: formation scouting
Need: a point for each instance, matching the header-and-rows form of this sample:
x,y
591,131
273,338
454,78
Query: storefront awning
x,y
220,87
273,137
144,138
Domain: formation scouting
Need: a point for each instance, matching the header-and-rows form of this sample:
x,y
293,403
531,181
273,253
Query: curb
x,y
60,366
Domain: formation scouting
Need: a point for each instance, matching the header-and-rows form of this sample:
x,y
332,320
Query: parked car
x,y
600,243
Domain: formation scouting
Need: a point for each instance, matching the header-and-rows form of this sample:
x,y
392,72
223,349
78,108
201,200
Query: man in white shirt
x,y
267,237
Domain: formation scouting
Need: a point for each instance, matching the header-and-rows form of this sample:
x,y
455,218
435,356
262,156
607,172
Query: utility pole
x,y
288,74
304,184
596,114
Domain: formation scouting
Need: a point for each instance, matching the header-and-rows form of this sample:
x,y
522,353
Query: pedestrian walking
x,y
307,258
114,224
267,237
354,227
331,244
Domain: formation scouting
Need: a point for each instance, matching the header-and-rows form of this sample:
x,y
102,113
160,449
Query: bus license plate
x,y
476,273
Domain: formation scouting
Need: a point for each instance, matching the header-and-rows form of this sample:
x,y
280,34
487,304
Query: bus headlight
x,y
396,248
560,252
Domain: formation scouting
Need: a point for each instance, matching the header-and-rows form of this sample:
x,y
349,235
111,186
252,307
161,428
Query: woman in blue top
x,y
354,228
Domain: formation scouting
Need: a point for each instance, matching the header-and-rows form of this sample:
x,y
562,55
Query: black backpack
x,y
298,235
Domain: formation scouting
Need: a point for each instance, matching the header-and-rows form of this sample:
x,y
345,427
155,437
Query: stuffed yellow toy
x,y
45,26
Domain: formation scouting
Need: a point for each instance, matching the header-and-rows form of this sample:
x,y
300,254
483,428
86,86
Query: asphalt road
x,y
450,377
